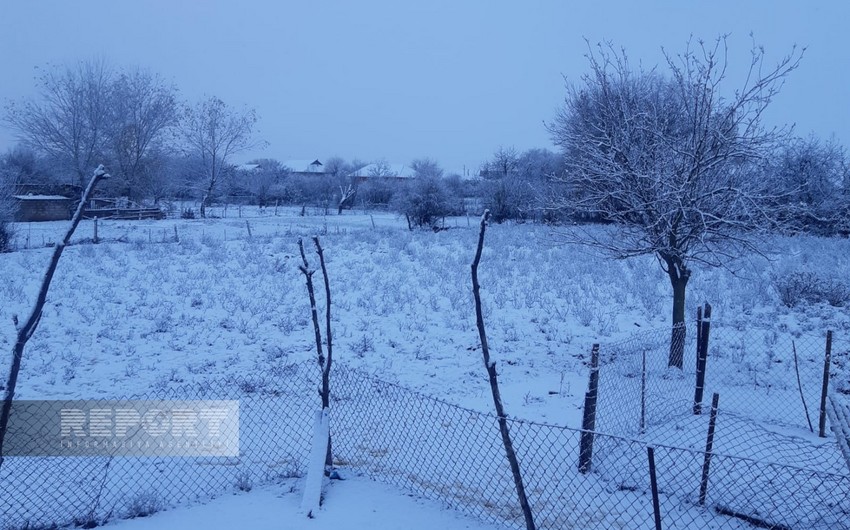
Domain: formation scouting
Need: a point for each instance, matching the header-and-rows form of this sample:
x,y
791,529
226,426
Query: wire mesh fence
x,y
275,418
439,450
770,389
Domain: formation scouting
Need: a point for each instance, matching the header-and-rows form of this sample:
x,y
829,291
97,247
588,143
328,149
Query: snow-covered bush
x,y
423,201
7,212
810,288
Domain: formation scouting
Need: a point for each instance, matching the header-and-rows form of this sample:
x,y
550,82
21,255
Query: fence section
x,y
769,398
436,449
275,423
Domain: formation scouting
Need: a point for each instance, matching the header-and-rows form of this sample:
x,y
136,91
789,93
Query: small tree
x,y
212,133
423,201
667,159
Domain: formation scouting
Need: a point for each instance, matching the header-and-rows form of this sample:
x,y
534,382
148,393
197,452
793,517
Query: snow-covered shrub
x,y
244,482
810,288
7,213
143,505
423,201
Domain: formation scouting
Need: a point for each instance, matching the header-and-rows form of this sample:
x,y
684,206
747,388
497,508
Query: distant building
x,y
299,168
383,171
31,208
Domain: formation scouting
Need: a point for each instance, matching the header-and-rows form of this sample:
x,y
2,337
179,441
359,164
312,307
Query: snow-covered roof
x,y
248,167
305,165
385,170
40,197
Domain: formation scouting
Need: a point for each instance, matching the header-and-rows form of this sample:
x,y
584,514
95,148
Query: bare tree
x,y
68,121
380,168
212,133
143,107
505,161
426,168
813,175
336,166
666,158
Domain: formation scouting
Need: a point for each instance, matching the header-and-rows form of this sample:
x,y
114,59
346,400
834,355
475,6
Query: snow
x,y
351,504
316,467
141,312
40,197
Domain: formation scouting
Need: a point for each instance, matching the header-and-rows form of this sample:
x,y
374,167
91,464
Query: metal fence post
x,y
709,445
588,422
827,359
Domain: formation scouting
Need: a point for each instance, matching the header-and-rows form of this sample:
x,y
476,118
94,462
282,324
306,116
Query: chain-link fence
x,y
275,422
770,390
439,450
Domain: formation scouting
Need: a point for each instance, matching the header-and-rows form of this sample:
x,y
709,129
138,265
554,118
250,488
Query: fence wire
x,y
275,422
765,411
438,450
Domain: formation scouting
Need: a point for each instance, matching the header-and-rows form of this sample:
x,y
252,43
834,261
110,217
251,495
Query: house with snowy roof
x,y
382,170
306,167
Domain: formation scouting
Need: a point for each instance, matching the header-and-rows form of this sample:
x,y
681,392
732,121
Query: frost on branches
x,y
669,161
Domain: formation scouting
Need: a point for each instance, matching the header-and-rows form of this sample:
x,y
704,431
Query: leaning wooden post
x,y
642,392
827,359
26,331
494,382
709,446
588,421
653,484
703,331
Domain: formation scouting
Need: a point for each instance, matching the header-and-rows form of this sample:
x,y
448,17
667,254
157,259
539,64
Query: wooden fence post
x,y
588,421
703,331
653,484
95,238
643,392
709,445
827,359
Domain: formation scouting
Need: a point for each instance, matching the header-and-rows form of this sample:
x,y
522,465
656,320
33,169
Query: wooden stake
x,y
827,359
653,484
588,421
494,382
709,446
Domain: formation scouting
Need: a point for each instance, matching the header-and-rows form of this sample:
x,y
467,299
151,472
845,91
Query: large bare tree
x,y
143,107
665,157
213,132
68,120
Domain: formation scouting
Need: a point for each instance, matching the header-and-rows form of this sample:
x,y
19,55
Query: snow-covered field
x,y
125,317
162,304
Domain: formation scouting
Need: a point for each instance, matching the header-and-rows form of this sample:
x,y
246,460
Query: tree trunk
x,y
679,275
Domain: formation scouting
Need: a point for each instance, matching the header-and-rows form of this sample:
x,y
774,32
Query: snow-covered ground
x,y
351,504
160,305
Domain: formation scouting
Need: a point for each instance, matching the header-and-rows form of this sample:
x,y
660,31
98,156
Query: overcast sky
x,y
449,79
